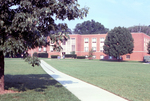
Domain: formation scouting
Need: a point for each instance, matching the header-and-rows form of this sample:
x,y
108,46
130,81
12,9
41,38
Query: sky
x,y
114,13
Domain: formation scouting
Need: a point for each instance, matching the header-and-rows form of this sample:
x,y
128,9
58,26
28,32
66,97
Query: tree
x,y
144,29
90,27
118,42
148,47
26,24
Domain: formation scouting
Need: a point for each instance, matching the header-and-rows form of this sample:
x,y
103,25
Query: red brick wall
x,y
137,55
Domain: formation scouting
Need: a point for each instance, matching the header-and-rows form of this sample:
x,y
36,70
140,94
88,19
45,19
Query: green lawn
x,y
32,83
130,80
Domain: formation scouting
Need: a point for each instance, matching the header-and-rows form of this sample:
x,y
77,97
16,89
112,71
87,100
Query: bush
x,y
70,56
54,56
35,54
43,55
80,57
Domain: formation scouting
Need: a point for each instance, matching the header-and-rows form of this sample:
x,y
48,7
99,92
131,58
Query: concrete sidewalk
x,y
81,89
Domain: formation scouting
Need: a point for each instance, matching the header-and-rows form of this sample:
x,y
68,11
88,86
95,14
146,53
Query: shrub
x,y
54,56
43,55
80,57
35,54
70,56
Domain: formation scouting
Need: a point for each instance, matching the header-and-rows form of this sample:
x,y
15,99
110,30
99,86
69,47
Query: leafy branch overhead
x,y
26,24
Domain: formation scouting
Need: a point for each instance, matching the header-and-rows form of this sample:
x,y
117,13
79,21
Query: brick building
x,y
82,44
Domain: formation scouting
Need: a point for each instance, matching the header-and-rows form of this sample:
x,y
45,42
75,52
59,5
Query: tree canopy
x,y
144,29
25,24
148,47
90,27
118,42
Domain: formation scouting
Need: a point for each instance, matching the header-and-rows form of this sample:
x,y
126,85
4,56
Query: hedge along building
x,y
82,44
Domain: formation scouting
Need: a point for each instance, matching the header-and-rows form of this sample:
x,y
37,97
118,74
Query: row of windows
x,y
44,49
86,49
86,40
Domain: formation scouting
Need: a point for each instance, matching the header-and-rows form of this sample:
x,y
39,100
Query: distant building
x,y
82,44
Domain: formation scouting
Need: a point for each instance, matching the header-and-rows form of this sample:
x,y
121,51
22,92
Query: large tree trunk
x,y
1,71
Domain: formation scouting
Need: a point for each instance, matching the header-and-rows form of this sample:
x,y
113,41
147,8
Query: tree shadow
x,y
37,82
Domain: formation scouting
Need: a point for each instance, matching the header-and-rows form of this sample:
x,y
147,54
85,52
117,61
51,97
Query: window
x,y
86,49
72,38
86,56
101,49
110,57
94,56
102,40
73,47
51,48
127,56
44,49
39,49
101,56
86,40
93,40
73,41
64,42
94,49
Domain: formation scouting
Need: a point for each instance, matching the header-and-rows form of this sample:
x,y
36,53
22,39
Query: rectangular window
x,y
127,56
102,40
110,57
39,49
73,47
86,40
101,56
51,48
64,42
44,49
94,49
86,49
101,49
94,57
93,40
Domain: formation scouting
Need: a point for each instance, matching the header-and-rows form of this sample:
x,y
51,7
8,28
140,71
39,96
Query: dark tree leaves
x,y
28,25
118,42
90,27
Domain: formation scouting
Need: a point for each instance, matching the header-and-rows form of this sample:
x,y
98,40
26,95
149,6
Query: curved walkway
x,y
81,89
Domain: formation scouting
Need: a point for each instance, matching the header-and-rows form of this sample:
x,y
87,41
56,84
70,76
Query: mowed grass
x,y
32,83
130,80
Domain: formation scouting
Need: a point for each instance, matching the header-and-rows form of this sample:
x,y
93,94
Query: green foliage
x,y
90,27
70,56
29,25
80,57
33,60
144,29
54,56
35,54
148,47
118,42
91,53
43,55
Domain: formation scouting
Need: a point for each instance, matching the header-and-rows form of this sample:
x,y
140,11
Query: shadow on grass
x,y
37,82
122,61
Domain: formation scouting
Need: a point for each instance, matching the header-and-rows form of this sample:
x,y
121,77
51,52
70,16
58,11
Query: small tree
x,y
91,54
118,42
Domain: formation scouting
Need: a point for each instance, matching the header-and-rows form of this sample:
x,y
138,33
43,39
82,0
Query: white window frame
x,y
86,40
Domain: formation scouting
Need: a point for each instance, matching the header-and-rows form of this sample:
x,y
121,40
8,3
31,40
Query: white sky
x,y
114,13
